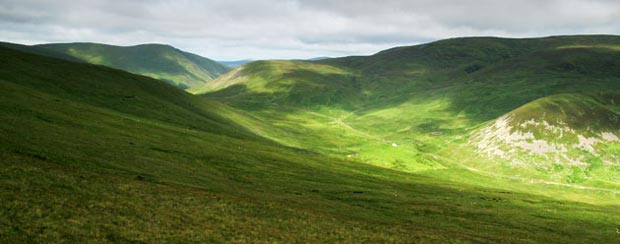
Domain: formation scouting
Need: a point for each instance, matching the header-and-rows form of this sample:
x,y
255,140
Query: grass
x,y
181,69
92,154
573,125
424,98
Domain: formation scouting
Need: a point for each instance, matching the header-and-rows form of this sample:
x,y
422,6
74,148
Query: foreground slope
x,y
91,154
163,62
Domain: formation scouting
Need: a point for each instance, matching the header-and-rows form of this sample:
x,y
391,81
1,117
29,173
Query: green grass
x,y
574,125
429,98
92,154
163,62
424,98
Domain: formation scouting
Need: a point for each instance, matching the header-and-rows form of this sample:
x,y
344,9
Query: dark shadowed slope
x,y
536,67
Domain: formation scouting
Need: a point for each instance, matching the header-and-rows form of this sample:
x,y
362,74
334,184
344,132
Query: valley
x,y
424,118
464,140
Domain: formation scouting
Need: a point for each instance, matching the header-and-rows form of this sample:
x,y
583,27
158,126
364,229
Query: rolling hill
x,y
298,151
571,137
158,61
396,73
424,98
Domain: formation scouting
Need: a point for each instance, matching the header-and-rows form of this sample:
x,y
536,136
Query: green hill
x,y
291,82
39,51
483,64
163,62
287,151
95,154
421,98
568,137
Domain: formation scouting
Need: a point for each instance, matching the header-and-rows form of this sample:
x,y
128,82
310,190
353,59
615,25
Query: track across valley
x,y
339,121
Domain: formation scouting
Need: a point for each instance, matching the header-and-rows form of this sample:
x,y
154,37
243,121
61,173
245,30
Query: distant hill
x,y
477,65
318,58
294,82
163,62
236,63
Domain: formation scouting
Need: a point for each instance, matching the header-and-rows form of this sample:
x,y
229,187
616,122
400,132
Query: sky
x,y
288,29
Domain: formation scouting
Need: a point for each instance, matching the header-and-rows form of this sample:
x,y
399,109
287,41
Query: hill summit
x,y
164,62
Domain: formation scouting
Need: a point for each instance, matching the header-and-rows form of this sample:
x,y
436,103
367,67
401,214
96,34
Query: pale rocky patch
x,y
517,144
608,136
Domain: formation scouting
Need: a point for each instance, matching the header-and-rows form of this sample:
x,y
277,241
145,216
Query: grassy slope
x,y
91,154
423,98
560,137
263,83
39,51
164,62
482,65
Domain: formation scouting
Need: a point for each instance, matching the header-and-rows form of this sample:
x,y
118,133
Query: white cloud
x,y
228,29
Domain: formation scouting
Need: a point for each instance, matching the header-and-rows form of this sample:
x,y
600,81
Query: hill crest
x,y
552,133
160,61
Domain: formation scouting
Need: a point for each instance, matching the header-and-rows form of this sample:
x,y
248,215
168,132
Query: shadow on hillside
x,y
481,95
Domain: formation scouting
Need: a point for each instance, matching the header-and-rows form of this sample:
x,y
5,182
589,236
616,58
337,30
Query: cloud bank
x,y
267,29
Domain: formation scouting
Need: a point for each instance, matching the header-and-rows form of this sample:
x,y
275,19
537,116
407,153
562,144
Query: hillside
x,y
158,61
93,154
39,51
293,82
569,137
481,64
423,99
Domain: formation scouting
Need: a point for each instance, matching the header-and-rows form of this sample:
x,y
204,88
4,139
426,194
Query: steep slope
x,y
113,89
163,62
93,154
570,137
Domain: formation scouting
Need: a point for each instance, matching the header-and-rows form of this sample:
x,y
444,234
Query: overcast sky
x,y
269,29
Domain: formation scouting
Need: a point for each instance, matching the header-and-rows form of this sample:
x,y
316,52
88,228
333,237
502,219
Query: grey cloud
x,y
227,29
